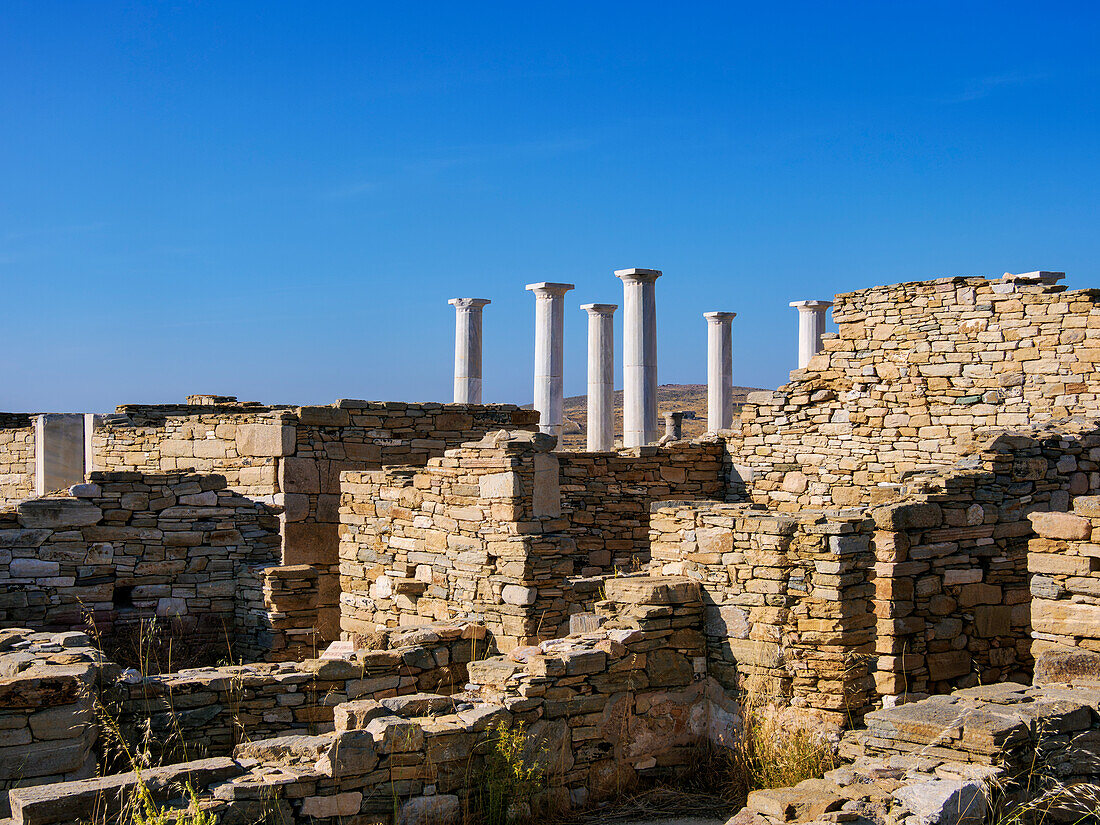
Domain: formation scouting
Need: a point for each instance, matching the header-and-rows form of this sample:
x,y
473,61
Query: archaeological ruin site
x,y
420,613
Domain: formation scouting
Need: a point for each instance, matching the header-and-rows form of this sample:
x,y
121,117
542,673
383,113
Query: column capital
x,y
719,317
600,309
468,303
811,305
638,275
546,289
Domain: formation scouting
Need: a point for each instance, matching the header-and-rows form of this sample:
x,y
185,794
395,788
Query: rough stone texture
x,y
913,369
47,713
292,457
133,547
788,597
471,534
1064,563
16,458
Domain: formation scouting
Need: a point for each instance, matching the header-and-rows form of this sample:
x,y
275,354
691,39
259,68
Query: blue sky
x,y
276,200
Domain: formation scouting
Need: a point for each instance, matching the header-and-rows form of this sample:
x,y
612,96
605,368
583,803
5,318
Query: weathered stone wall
x,y
129,547
47,709
788,597
494,531
952,593
206,712
16,458
912,371
292,457
606,497
1064,563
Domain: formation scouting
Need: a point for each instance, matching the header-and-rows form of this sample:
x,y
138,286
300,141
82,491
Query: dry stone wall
x,y
47,709
913,369
497,529
129,547
292,457
1064,565
952,582
16,458
788,598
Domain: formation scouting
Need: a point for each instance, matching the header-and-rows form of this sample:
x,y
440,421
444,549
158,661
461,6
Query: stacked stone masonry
x,y
127,548
16,458
913,369
496,530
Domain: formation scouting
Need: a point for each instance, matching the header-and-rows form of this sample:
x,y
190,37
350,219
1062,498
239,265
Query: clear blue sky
x,y
276,200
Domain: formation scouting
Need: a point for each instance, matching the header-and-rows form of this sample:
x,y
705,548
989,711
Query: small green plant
x,y
512,780
145,810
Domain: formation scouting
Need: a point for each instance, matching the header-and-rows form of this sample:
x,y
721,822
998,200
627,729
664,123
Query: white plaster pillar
x,y
601,376
719,370
549,353
811,326
468,349
639,356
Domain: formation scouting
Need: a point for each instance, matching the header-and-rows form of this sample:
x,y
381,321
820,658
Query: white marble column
x,y
719,370
639,356
468,349
549,353
811,326
601,376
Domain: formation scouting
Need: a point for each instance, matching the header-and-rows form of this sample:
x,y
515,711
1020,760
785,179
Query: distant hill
x,y
691,398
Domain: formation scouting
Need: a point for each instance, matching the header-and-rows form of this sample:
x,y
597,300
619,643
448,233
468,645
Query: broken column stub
x,y
811,326
549,353
719,370
59,444
639,355
467,389
601,376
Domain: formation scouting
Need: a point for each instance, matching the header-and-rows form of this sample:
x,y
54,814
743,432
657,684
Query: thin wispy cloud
x,y
979,87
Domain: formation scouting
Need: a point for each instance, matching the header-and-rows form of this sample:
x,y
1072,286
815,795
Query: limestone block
x,y
326,807
1065,618
945,802
518,595
500,485
299,475
1064,526
265,439
442,809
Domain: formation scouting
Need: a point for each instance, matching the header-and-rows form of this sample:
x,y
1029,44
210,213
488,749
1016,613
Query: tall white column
x,y
601,376
639,356
811,326
468,349
549,353
719,370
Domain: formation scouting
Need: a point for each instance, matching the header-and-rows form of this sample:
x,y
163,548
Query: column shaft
x,y
719,370
549,354
468,349
601,376
811,326
639,356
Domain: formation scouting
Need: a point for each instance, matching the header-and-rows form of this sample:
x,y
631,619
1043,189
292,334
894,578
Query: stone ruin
x,y
898,543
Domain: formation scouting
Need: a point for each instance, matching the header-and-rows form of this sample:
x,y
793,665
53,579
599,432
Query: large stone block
x,y
1064,618
265,439
1064,526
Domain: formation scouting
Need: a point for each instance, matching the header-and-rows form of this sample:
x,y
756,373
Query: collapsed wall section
x,y
913,369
